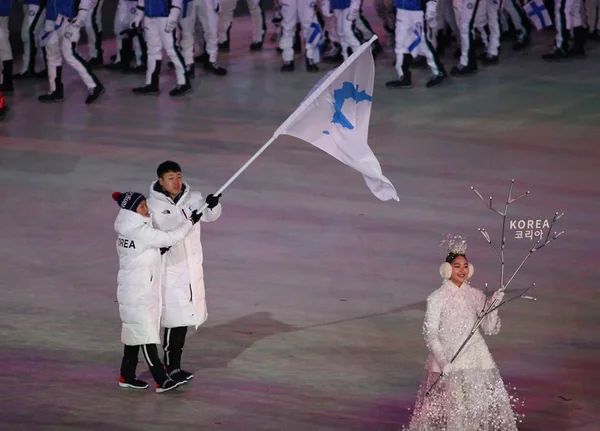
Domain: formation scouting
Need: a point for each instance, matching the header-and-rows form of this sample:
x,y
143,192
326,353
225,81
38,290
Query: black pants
x,y
130,360
173,342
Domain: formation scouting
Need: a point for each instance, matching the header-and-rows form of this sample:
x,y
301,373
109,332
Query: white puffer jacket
x,y
138,281
184,302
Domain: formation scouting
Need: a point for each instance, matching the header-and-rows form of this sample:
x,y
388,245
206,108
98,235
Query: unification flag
x,y
538,14
335,118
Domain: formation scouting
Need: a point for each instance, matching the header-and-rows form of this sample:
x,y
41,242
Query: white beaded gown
x,y
472,397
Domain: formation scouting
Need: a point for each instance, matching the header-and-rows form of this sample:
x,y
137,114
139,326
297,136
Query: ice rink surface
x,y
316,290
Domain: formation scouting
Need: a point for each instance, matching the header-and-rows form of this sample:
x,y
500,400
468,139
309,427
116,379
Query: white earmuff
x,y
471,270
446,270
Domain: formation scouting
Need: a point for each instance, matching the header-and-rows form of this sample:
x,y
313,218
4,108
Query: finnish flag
x,y
335,118
538,14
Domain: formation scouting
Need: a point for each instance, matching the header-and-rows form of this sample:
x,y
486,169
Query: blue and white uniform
x,y
346,12
31,34
257,15
160,18
125,14
303,11
93,30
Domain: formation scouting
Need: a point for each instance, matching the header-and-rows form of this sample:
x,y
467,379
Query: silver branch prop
x,y
492,306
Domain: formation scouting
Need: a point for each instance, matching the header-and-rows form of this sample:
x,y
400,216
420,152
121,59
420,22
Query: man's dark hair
x,y
166,167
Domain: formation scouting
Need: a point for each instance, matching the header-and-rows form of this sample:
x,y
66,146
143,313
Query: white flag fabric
x,y
538,14
335,118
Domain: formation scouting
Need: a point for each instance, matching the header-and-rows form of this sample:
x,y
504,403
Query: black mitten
x,y
213,200
195,217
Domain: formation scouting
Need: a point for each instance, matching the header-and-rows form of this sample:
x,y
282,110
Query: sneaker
x,y
202,58
436,79
181,90
42,74
288,66
256,46
311,66
489,60
146,90
404,82
180,375
223,46
132,383
95,62
167,386
54,97
94,94
138,70
522,43
25,75
213,67
462,70
556,54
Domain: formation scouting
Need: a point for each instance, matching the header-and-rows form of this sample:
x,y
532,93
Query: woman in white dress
x,y
471,395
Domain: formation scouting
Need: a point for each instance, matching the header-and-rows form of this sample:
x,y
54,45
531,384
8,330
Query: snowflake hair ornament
x,y
453,246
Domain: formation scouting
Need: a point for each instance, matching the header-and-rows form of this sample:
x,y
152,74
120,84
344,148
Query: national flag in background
x,y
335,118
538,14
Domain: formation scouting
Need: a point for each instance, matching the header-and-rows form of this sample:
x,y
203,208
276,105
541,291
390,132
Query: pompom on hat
x,y
128,200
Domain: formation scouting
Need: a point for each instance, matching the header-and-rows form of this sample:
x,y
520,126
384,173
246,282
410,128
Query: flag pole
x,y
294,115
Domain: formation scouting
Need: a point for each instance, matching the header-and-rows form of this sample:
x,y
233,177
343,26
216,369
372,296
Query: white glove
x,y
431,14
498,296
172,19
352,14
138,17
447,369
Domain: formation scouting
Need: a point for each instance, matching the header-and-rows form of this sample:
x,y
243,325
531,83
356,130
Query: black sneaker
x,y
556,54
94,94
138,70
42,74
436,79
180,375
462,70
95,62
256,46
55,97
132,383
311,66
190,69
214,68
180,90
404,82
146,90
522,43
25,75
223,46
288,66
490,60
167,386
202,58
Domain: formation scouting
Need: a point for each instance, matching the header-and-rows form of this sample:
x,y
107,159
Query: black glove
x,y
212,201
163,250
195,217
